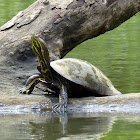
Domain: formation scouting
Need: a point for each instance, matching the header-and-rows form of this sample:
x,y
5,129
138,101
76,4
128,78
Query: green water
x,y
79,127
116,53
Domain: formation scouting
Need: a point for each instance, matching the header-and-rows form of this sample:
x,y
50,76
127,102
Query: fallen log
x,y
63,25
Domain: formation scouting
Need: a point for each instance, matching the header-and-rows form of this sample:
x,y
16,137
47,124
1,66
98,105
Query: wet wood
x,y
127,104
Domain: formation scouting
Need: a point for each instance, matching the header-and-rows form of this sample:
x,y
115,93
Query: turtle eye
x,y
39,68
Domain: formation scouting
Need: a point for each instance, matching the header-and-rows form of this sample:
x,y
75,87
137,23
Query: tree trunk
x,y
62,24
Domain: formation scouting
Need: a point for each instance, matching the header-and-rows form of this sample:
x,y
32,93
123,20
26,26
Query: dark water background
x,y
116,53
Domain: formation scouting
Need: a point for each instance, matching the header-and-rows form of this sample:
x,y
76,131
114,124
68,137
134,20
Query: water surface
x,y
78,127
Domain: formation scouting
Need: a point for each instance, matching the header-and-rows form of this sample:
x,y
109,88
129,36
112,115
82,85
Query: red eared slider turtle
x,y
67,76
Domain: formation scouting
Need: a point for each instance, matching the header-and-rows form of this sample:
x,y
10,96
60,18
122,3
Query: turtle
x,y
67,77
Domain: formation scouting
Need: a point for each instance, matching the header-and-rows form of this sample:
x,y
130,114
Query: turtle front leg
x,y
62,105
30,84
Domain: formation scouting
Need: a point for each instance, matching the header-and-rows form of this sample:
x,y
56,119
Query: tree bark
x,y
62,24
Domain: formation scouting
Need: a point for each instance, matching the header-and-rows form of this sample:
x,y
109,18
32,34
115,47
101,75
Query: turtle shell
x,y
85,74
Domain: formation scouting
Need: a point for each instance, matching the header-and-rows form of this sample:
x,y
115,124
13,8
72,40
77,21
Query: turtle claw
x,y
24,91
59,107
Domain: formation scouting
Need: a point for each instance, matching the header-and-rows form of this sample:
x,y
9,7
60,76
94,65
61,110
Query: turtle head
x,y
39,47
